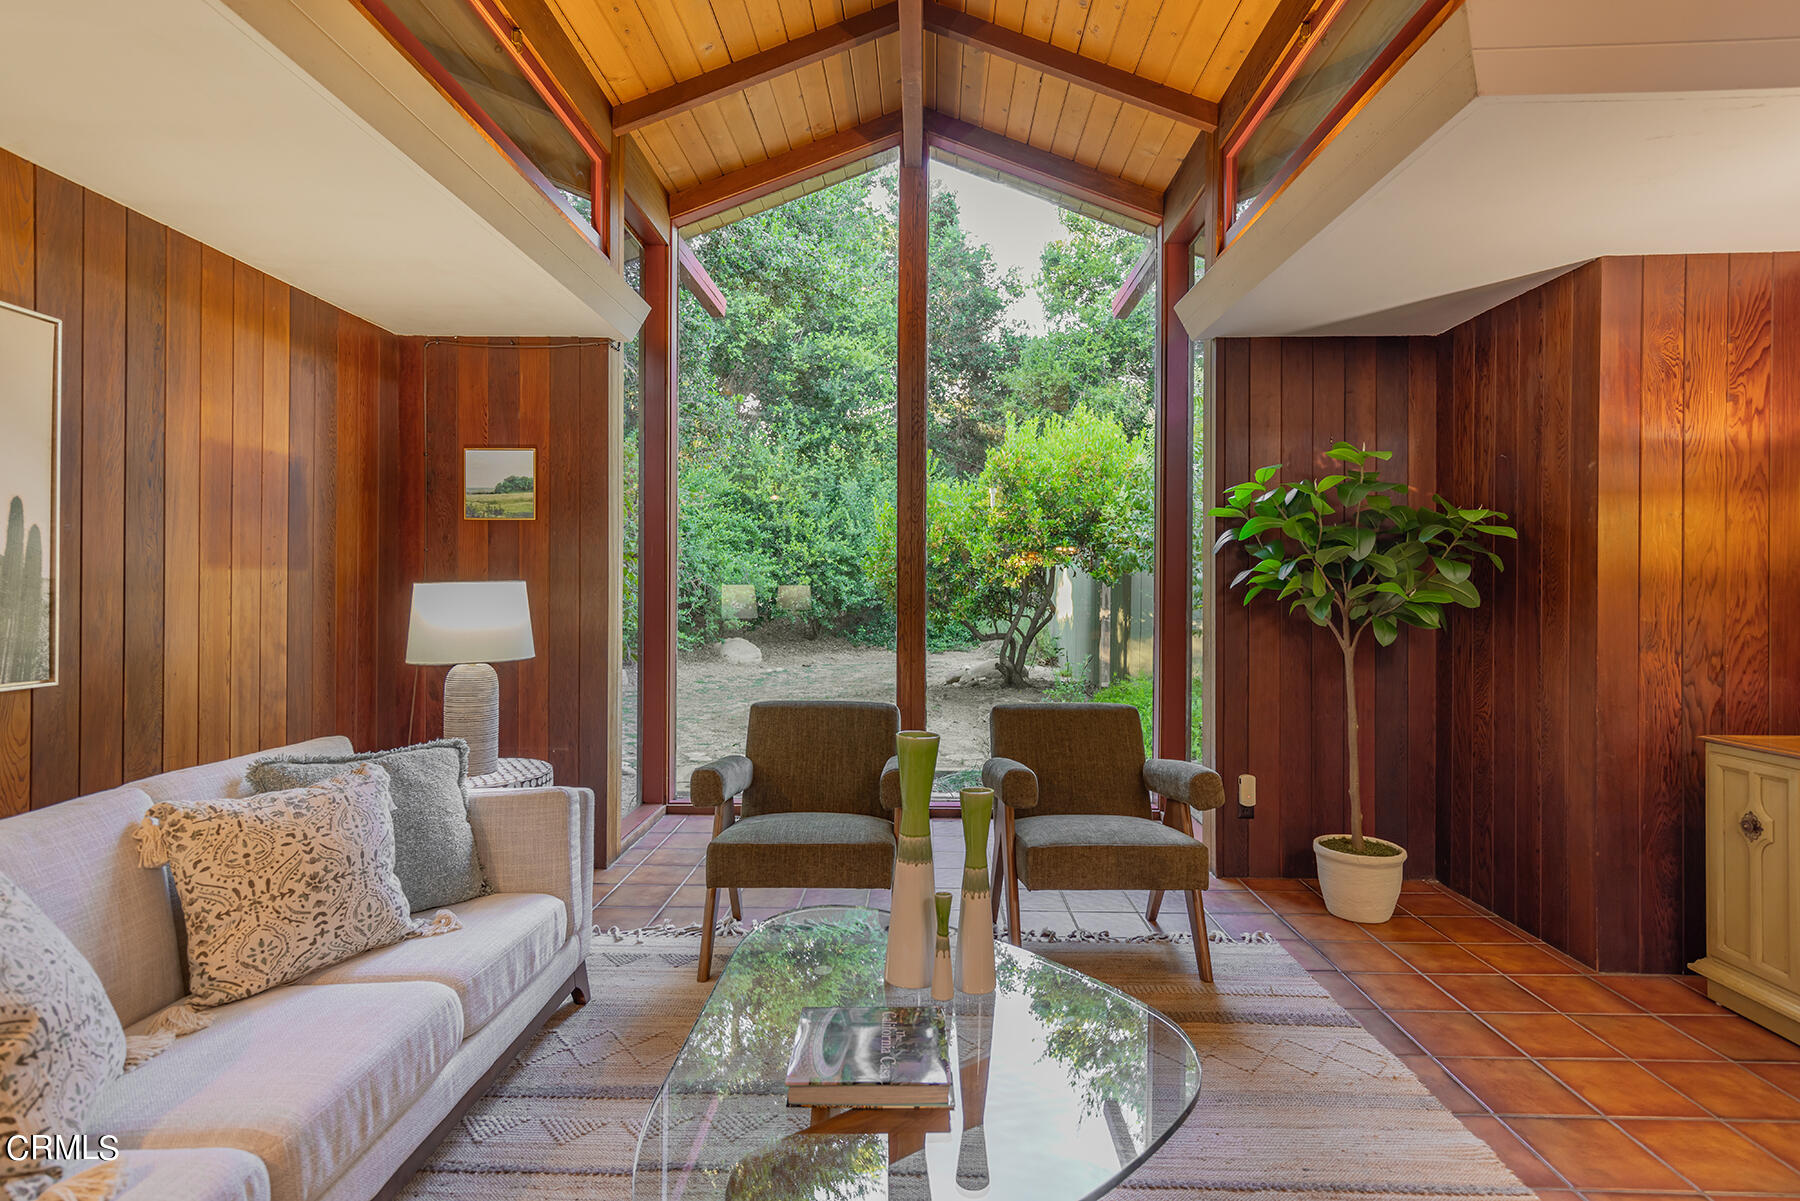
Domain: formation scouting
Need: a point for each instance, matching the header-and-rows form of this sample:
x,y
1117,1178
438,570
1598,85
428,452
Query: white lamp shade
x,y
469,621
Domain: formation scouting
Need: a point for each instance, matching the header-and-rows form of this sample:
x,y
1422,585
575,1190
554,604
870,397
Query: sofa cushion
x,y
803,850
1101,851
60,1041
279,884
301,1077
193,1174
79,862
504,941
226,777
434,846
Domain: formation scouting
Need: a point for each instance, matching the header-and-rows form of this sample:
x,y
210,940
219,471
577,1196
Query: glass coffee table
x,y
1063,1084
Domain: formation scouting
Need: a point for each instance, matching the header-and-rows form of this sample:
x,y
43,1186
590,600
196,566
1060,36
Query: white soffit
x,y
1527,136
290,134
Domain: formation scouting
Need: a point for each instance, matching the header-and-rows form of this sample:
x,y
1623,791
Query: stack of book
x,y
871,1058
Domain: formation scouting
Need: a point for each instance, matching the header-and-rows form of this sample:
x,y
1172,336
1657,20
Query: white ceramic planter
x,y
1360,888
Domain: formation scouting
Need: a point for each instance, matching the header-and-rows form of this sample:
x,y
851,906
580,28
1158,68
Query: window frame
x,y
1421,25
511,38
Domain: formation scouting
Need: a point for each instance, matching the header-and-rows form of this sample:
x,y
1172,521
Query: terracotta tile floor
x,y
1595,1086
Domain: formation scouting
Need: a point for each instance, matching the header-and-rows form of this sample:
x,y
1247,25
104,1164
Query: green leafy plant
x,y
1064,490
1349,553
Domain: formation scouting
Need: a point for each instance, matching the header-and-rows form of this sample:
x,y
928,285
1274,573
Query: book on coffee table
x,y
872,1057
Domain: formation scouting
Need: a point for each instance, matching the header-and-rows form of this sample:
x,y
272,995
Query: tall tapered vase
x,y
912,924
943,971
975,928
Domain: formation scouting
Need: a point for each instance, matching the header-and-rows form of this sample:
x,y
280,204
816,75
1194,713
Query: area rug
x,y
1297,1099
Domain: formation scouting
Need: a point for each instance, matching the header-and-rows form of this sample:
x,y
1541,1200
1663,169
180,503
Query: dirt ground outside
x,y
713,697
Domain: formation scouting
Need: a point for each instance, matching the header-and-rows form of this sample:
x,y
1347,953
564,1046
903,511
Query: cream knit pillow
x,y
280,884
60,1040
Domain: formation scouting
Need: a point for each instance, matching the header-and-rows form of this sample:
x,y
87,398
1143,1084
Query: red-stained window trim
x,y
1423,22
495,18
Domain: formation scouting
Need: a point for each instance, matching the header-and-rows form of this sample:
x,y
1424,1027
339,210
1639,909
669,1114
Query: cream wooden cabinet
x,y
1752,959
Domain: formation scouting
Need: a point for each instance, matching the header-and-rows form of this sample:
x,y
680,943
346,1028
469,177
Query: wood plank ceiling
x,y
1122,88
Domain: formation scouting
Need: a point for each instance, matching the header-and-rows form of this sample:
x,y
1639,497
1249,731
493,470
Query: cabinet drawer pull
x,y
1751,825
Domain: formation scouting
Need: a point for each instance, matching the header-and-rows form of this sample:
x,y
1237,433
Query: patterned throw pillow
x,y
280,884
434,844
60,1040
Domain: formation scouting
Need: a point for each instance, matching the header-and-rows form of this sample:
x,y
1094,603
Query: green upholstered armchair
x,y
1075,809
820,786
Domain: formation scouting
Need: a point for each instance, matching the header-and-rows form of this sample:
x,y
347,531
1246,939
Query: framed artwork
x,y
500,483
30,415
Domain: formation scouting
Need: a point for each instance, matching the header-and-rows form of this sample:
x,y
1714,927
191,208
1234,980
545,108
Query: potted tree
x,y
1349,553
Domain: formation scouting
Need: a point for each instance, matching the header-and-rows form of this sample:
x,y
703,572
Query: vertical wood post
x,y
656,565
910,412
1171,688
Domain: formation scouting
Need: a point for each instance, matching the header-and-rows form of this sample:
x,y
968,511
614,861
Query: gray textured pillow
x,y
60,1041
434,844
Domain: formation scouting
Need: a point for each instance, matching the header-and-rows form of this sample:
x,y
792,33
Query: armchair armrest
x,y
890,783
540,840
720,781
1193,784
1015,784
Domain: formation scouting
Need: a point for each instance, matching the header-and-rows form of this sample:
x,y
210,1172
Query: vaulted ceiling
x,y
1111,95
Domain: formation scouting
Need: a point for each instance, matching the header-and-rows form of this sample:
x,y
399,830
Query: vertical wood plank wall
x,y
1280,696
509,392
1518,782
1641,418
219,534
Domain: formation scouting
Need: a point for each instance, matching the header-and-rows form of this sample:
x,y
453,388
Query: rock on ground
x,y
739,650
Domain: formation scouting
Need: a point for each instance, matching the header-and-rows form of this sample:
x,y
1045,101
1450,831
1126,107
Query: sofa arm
x,y
1193,784
540,840
890,784
1015,784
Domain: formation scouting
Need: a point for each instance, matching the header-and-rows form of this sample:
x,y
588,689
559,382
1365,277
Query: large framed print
x,y
30,418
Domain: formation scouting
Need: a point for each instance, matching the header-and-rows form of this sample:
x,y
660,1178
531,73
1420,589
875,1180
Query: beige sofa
x,y
333,1088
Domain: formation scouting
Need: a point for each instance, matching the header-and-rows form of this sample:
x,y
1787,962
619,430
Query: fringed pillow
x,y
60,1040
280,884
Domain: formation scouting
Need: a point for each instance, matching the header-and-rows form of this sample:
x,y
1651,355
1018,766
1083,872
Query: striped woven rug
x,y
1297,1099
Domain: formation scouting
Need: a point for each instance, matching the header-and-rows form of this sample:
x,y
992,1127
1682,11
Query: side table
x,y
516,773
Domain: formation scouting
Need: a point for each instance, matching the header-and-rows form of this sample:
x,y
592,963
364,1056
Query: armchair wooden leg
x,y
1155,905
1013,925
708,914
1202,942
737,905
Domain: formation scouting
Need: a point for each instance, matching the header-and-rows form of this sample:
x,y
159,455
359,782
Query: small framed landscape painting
x,y
30,359
500,483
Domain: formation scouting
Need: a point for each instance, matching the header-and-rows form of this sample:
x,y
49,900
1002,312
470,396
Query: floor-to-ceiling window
x,y
785,467
1040,514
631,792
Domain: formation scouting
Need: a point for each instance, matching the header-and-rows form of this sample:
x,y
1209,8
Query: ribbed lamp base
x,y
472,713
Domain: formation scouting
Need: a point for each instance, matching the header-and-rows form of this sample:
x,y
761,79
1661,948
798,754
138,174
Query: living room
x,y
352,348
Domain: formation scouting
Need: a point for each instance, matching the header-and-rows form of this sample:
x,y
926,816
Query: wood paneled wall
x,y
219,535
1279,701
1517,705
512,392
1641,418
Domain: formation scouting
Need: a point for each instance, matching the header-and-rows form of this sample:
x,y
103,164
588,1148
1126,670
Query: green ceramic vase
x,y
975,929
910,923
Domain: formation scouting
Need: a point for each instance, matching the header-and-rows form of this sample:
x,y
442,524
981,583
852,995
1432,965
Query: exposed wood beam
x,y
1137,282
697,281
796,166
1291,20
1186,199
1073,68
1043,168
912,83
735,77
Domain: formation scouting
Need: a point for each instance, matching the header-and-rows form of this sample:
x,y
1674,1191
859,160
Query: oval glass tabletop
x,y
1063,1085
